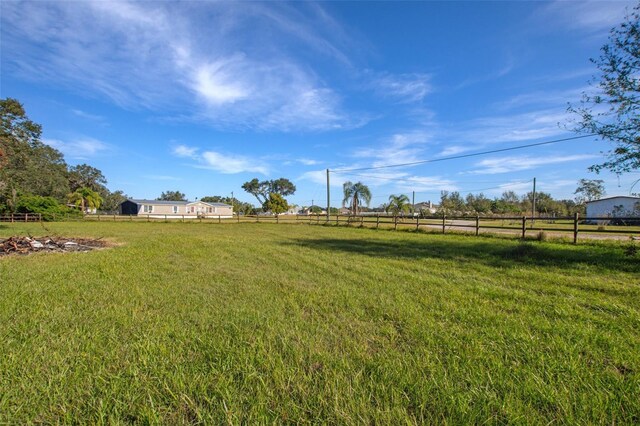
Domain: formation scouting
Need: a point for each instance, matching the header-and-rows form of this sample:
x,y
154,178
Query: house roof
x,y
613,198
211,204
157,202
173,203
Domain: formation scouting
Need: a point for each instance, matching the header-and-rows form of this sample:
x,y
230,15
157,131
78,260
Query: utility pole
x,y
232,203
533,203
413,202
328,197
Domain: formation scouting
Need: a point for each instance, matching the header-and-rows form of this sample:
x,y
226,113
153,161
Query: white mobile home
x,y
175,209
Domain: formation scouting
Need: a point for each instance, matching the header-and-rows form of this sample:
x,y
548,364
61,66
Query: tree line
x,y
509,203
358,197
34,177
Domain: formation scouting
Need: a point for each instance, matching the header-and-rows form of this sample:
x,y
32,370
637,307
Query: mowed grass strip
x,y
260,323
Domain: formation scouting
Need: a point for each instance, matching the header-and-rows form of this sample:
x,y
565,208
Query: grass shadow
x,y
504,254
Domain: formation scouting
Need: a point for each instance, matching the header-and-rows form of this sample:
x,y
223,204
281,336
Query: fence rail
x,y
20,217
523,226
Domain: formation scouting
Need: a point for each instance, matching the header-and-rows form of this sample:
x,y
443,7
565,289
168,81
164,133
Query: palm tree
x,y
398,204
85,198
355,194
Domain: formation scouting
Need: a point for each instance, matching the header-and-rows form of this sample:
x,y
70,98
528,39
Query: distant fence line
x,y
21,217
519,225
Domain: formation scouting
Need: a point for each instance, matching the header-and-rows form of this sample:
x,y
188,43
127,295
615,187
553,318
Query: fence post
x,y
377,220
238,217
444,217
114,217
417,223
39,217
477,225
395,222
338,219
575,228
524,226
277,218
219,219
26,217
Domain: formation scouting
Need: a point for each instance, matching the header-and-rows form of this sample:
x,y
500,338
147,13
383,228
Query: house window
x,y
210,210
175,209
147,208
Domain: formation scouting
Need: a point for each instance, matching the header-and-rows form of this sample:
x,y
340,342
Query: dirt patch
x,y
25,245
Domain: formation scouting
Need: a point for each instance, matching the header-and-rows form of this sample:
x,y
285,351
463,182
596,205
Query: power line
x,y
455,157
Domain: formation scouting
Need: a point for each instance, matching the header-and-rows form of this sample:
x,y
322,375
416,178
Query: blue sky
x,y
203,96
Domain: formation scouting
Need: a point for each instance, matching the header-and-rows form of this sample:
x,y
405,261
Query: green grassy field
x,y
261,323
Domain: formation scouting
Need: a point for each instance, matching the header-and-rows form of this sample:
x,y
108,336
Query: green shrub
x,y
48,207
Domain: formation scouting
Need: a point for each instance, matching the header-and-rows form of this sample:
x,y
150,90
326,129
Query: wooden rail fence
x,y
20,217
523,226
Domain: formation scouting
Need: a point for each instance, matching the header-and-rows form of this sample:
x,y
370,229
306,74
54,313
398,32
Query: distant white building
x,y
619,206
293,209
175,209
426,207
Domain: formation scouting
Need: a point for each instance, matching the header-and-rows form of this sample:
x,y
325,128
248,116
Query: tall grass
x,y
258,323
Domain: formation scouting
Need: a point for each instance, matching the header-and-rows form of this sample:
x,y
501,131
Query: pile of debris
x,y
26,245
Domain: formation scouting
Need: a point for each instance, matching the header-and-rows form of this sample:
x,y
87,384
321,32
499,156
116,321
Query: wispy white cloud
x,y
217,83
453,150
307,161
185,151
402,87
225,163
581,73
397,149
482,132
543,99
92,117
521,127
165,57
525,162
232,164
426,184
320,177
387,181
587,15
312,109
78,149
506,68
